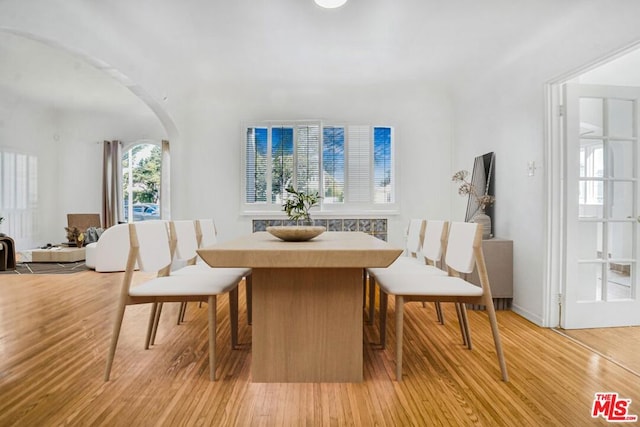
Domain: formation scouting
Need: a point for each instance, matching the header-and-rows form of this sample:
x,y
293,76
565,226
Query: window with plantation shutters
x,y
349,166
333,142
256,165
359,164
382,170
282,165
308,159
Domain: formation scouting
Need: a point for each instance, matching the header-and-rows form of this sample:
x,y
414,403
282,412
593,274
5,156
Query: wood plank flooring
x,y
620,345
55,331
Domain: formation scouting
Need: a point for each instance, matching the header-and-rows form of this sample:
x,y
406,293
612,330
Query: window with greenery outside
x,y
141,167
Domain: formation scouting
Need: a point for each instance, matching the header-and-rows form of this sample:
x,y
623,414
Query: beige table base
x,y
57,255
307,325
307,302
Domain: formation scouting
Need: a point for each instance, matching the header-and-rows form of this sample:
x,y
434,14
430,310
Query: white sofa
x,y
110,252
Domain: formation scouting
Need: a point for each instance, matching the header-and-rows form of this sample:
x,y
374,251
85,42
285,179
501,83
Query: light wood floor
x,y
620,345
55,330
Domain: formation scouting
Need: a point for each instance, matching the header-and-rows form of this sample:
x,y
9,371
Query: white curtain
x,y
111,183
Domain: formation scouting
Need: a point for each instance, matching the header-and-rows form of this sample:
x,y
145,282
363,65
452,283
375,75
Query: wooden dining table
x,y
307,302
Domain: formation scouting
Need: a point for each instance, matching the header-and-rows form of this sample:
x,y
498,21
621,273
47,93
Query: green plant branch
x,y
298,204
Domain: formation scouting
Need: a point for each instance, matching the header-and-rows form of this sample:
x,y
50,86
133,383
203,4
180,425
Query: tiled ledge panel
x,y
376,227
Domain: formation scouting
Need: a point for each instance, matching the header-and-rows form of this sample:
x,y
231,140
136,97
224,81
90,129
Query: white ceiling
x,y
363,42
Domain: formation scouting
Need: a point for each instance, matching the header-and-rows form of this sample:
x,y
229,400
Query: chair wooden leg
x,y
233,315
181,312
399,333
465,326
439,313
114,340
493,321
462,323
248,291
372,299
156,323
212,337
384,301
150,327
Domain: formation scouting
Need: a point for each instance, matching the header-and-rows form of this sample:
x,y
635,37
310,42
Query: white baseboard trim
x,y
528,315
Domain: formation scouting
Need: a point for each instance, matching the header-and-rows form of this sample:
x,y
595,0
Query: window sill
x,y
354,213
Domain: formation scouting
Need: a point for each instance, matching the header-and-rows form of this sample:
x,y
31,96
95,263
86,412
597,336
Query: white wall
x,y
504,110
206,163
80,136
508,119
66,144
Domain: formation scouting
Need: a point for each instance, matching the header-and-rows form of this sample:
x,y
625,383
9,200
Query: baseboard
x,y
534,318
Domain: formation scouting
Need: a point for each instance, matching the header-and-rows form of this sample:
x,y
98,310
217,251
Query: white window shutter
x,y
359,164
308,158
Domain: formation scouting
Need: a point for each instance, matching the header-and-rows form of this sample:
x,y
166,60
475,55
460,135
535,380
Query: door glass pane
x,y
621,206
590,240
591,116
590,199
621,240
620,159
620,118
591,158
589,283
619,281
620,255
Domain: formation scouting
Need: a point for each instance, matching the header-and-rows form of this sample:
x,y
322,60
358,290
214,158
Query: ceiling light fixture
x,y
330,4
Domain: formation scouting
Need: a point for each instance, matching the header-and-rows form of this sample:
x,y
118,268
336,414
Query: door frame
x,y
555,251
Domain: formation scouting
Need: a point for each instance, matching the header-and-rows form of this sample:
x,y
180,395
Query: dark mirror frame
x,y
483,179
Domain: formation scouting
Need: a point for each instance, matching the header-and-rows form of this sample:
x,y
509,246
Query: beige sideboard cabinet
x,y
498,254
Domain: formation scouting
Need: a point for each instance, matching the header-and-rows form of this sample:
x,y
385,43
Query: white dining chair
x,y
149,245
184,239
207,235
427,257
463,252
427,261
433,250
415,234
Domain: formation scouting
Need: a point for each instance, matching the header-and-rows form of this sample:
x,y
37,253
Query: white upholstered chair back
x,y
460,255
414,236
209,232
434,233
153,242
187,243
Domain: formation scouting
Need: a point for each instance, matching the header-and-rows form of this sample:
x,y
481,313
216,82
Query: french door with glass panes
x,y
601,207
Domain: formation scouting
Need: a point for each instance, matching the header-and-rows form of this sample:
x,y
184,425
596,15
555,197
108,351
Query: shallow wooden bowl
x,y
296,233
